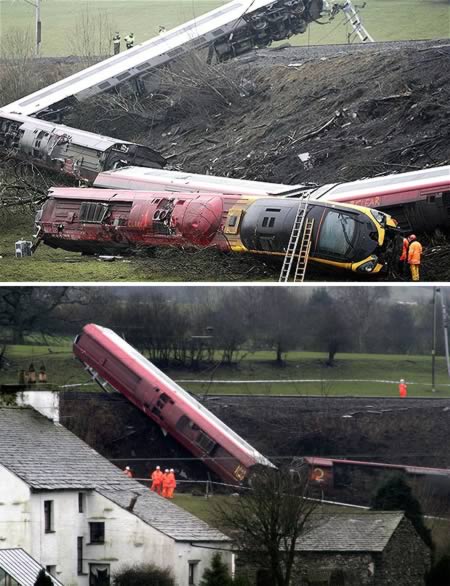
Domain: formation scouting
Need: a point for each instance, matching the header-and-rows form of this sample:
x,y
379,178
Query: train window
x,y
265,222
232,221
157,412
205,442
273,210
180,202
337,234
93,213
271,222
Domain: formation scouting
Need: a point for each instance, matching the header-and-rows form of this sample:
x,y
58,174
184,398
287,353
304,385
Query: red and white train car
x,y
418,200
161,399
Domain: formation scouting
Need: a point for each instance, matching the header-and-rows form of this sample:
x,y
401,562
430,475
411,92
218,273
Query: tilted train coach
x,y
115,221
108,356
75,153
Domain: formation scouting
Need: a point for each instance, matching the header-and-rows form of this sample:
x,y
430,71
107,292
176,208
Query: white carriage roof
x,y
47,456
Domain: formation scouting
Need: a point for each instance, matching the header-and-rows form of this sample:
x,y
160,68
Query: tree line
x,y
192,325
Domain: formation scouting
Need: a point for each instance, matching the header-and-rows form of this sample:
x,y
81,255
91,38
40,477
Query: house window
x,y
51,570
80,502
99,575
48,516
79,555
193,565
97,532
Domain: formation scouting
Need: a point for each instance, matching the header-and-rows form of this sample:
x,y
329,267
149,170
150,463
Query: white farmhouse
x,y
80,517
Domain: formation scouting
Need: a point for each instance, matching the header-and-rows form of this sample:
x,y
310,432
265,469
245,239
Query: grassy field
x,y
63,369
385,20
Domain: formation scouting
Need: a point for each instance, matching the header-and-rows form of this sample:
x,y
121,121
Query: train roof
x,y
142,57
176,180
422,470
177,390
89,139
120,195
436,177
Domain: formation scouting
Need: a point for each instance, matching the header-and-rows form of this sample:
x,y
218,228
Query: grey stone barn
x,y
372,548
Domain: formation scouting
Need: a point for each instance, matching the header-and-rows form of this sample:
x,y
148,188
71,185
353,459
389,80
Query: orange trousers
x,y
156,487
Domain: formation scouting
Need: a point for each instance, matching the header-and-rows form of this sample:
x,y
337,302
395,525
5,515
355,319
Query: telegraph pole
x,y
38,27
433,344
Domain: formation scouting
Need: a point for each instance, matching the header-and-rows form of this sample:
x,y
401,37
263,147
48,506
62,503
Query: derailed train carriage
x,y
116,221
109,358
75,153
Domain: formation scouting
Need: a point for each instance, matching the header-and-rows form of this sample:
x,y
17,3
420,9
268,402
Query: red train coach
x,y
161,399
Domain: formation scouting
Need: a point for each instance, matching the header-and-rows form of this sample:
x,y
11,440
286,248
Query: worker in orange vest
x,y
403,257
128,472
157,477
402,388
165,482
171,484
414,256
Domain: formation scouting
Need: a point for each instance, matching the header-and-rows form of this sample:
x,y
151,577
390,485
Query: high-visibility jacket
x,y
405,246
414,253
170,480
128,473
402,390
157,477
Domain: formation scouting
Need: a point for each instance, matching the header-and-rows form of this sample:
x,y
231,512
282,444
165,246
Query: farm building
x,y
80,516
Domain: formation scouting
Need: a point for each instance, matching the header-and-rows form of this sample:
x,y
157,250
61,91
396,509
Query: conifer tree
x,y
217,574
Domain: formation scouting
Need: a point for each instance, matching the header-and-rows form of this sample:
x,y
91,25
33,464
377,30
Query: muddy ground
x,y
397,431
359,111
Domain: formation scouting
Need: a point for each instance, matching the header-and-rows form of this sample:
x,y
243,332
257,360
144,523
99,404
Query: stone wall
x,y
405,560
339,569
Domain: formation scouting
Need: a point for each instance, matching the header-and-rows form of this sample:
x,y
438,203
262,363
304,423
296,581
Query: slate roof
x,y
350,532
47,456
22,567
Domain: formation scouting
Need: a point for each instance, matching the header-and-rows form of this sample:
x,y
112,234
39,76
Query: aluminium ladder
x,y
357,26
303,254
293,245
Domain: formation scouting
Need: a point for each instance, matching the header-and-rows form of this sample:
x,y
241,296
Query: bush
x,y
143,575
217,574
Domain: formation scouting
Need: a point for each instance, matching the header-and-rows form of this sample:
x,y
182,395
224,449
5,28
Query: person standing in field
x,y
129,41
164,483
402,262
402,389
128,472
157,477
171,484
116,43
414,257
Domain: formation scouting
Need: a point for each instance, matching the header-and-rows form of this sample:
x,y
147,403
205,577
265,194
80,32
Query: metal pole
x,y
433,344
445,325
38,27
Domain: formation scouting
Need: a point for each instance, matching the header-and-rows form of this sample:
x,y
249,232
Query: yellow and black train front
x,y
346,236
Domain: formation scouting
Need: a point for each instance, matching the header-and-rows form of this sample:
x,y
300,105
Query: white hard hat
x,y
402,380
172,470
127,468
158,467
166,470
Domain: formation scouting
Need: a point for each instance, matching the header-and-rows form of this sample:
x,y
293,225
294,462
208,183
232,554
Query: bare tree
x,y
268,521
92,37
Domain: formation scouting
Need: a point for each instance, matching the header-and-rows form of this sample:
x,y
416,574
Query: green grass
x,y
63,369
385,20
